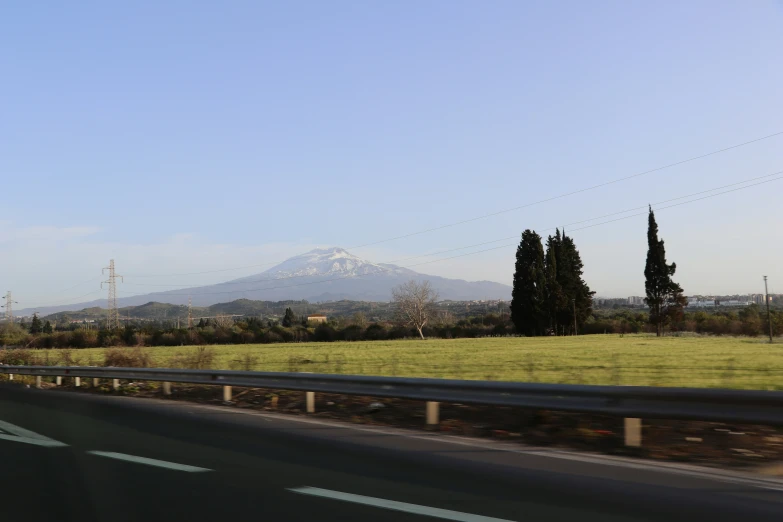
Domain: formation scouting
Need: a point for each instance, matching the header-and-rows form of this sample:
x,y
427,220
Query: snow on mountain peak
x,y
326,261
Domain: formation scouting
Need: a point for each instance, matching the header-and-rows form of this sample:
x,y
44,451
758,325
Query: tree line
x,y
749,321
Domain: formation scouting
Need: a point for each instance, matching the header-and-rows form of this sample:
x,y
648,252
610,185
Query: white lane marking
x,y
396,506
18,434
149,462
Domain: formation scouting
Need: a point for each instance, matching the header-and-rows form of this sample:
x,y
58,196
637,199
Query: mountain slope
x,y
324,274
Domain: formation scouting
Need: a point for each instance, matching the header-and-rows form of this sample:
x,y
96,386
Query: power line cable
x,y
605,222
263,280
527,205
457,256
580,191
66,301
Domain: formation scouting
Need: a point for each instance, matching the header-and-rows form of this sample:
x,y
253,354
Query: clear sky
x,y
187,136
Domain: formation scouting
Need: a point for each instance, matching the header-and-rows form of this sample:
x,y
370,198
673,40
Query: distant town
x,y
695,301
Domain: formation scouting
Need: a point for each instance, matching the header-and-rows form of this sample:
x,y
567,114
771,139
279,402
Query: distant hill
x,y
329,274
164,312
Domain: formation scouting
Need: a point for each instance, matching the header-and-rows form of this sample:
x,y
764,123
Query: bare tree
x,y
415,303
359,319
223,321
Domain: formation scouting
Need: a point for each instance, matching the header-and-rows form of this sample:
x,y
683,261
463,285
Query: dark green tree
x,y
289,319
553,292
576,303
201,323
664,296
47,327
528,294
36,326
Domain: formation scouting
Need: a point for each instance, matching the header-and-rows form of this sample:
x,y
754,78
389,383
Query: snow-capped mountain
x,y
323,274
326,262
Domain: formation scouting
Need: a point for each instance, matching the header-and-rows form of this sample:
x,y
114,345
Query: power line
x,y
593,219
580,191
385,270
603,222
90,280
65,301
527,205
644,207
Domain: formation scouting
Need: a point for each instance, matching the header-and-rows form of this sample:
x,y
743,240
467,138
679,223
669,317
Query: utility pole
x,y
766,298
9,307
190,313
573,301
113,319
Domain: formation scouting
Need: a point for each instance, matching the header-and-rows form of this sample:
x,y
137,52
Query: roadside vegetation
x,y
686,360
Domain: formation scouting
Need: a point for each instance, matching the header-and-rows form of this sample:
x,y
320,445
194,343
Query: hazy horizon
x,y
179,141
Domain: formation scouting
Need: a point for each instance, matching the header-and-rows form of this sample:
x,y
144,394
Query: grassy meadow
x,y
690,361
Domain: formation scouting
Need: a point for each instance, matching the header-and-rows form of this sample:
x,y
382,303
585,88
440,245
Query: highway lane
x,y
133,459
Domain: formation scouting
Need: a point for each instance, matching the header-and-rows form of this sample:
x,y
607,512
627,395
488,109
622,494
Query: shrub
x,y
18,357
284,333
375,332
66,358
201,358
84,338
246,362
272,337
127,358
323,333
353,332
13,335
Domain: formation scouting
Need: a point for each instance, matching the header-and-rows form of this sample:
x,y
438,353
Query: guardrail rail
x,y
631,402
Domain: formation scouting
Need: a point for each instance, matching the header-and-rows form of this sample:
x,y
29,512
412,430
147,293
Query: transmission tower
x,y
113,321
190,313
9,307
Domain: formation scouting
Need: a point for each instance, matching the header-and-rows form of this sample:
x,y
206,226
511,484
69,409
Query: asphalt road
x,y
74,456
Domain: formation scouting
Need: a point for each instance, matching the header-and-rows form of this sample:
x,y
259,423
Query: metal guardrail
x,y
735,406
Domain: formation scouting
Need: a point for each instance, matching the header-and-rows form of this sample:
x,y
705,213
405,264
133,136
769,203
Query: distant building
x,y
732,302
635,300
700,303
316,318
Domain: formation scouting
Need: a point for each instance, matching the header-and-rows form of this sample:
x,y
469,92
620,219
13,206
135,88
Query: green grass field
x,y
726,362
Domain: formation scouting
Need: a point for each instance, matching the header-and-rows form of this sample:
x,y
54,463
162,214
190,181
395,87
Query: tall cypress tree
x,y
528,295
576,302
664,296
553,292
36,326
289,319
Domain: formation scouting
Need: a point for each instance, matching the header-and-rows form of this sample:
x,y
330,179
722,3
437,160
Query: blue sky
x,y
192,136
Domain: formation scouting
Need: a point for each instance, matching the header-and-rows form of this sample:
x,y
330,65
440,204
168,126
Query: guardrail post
x,y
58,380
10,376
166,388
226,393
433,413
310,400
633,432
95,382
77,381
115,384
38,381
